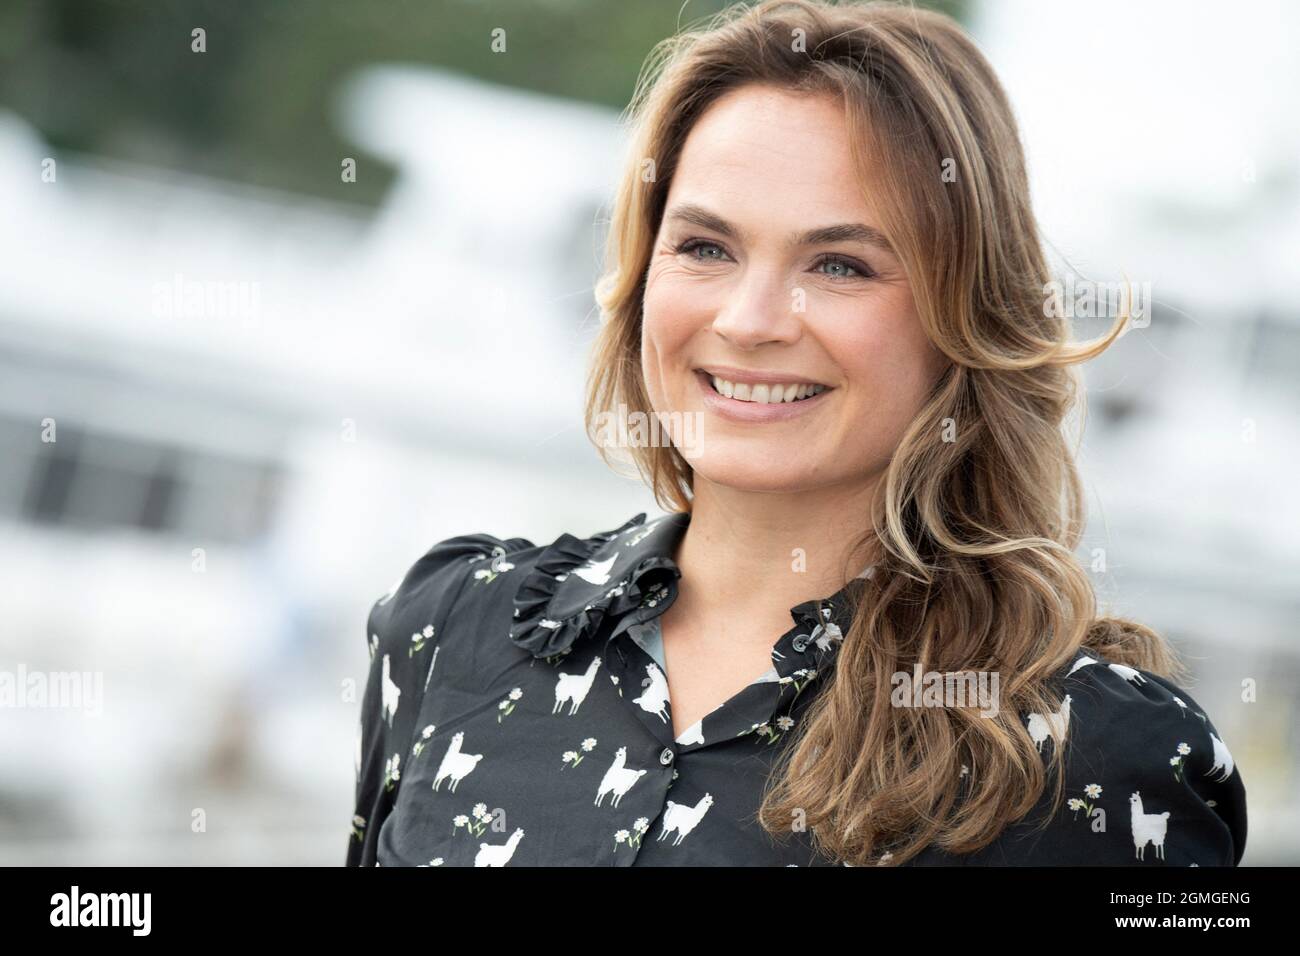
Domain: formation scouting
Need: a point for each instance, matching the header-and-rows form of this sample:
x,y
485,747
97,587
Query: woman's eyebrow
x,y
842,232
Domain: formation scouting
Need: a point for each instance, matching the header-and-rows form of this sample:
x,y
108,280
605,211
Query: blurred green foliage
x,y
117,77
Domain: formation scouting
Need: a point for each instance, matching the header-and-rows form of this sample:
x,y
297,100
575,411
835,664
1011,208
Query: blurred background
x,y
270,299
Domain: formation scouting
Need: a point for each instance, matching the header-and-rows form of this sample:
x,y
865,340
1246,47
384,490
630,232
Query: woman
x,y
824,278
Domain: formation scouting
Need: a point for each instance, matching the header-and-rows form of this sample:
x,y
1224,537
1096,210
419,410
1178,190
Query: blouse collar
x,y
577,583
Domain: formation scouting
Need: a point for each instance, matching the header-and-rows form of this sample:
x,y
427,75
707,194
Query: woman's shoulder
x,y
431,586
1148,777
474,574
1120,709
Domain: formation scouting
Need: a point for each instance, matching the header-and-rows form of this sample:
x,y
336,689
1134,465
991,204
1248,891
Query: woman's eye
x,y
840,268
844,268
691,245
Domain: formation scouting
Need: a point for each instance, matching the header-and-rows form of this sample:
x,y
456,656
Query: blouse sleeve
x,y
403,629
1149,780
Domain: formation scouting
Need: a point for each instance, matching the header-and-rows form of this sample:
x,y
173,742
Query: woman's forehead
x,y
772,153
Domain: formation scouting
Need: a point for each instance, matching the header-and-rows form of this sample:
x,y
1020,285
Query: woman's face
x,y
737,284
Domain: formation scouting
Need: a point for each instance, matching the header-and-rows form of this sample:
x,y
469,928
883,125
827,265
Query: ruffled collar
x,y
577,583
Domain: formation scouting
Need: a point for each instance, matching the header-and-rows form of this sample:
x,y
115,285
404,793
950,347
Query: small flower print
x,y
1179,762
498,566
573,758
392,773
800,679
479,822
358,825
1092,791
633,838
418,640
654,595
507,706
765,730
425,734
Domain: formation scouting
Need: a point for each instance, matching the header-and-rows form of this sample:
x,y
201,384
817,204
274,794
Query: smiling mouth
x,y
764,394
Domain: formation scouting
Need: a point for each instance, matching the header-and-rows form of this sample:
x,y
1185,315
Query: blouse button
x,y
666,756
800,642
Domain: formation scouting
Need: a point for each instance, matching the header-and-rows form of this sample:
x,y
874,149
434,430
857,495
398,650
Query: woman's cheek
x,y
673,299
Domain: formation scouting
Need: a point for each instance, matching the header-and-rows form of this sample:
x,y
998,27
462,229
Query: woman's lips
x,y
738,411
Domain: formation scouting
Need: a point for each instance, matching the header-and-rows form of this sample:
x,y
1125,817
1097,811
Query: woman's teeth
x,y
765,394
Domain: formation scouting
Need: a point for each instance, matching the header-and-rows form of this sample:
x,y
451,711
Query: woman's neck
x,y
768,553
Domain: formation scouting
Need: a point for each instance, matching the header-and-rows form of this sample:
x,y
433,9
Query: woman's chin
x,y
750,472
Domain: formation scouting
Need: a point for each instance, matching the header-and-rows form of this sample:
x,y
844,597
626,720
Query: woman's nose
x,y
762,307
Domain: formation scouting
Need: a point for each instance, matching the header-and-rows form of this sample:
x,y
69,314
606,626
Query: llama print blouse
x,y
517,713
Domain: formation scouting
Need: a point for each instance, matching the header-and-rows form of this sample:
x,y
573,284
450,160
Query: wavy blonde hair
x,y
975,536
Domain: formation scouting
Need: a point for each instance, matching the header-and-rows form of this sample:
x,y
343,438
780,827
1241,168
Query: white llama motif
x,y
1042,726
494,855
618,778
694,734
573,688
596,572
1128,673
1222,760
1083,661
1147,827
823,634
389,694
455,764
683,817
655,697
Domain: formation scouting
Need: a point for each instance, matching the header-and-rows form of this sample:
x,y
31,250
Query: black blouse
x,y
516,712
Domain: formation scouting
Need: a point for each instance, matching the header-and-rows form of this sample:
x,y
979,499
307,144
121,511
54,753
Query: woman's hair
x,y
975,522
